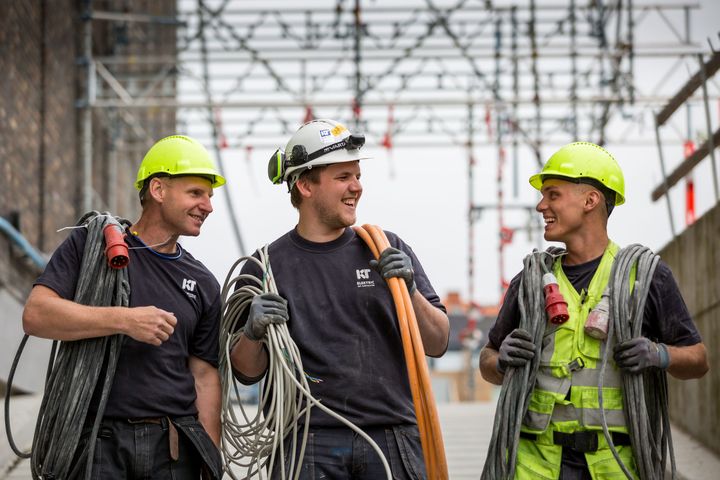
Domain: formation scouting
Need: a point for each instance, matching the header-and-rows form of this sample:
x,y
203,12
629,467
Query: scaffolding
x,y
514,76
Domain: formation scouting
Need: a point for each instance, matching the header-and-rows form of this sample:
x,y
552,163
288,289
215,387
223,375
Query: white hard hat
x,y
318,142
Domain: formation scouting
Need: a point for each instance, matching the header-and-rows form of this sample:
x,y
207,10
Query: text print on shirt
x,y
188,286
363,278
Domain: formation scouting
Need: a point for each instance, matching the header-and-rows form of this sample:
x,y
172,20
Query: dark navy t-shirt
x,y
153,381
343,320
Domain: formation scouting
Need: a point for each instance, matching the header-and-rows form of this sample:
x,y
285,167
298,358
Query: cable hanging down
x,y
83,366
255,441
420,385
518,382
645,395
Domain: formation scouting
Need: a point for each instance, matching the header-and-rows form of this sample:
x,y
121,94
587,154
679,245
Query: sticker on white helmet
x,y
325,136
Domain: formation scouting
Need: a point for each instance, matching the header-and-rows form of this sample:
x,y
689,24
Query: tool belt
x,y
582,442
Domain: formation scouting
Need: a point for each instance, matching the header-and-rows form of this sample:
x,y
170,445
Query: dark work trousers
x,y
340,453
570,472
574,466
141,450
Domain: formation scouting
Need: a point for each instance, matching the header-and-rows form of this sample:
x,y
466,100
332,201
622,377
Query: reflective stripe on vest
x,y
565,395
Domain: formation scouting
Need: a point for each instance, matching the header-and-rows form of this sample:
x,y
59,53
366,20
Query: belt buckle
x,y
585,442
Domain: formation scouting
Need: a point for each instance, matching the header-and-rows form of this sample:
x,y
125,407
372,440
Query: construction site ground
x,y
467,428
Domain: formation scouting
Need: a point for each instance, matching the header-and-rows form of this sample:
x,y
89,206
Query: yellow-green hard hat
x,y
584,160
178,155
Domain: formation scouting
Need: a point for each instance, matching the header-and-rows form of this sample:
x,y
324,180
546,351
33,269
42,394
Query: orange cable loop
x,y
414,352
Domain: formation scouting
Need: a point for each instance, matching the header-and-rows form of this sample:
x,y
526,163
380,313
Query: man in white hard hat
x,y
341,314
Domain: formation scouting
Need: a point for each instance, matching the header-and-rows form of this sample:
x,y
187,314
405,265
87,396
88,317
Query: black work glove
x,y
515,350
640,353
395,263
265,309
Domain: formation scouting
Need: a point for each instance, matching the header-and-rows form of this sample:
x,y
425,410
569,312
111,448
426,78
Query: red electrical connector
x,y
555,304
116,250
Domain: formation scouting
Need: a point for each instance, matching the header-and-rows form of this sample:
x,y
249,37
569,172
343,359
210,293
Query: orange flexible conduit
x,y
423,399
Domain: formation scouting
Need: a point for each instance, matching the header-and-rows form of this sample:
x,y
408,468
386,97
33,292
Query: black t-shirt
x,y
343,320
666,318
153,381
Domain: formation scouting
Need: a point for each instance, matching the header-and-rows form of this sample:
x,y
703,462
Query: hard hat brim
x,y
338,156
537,182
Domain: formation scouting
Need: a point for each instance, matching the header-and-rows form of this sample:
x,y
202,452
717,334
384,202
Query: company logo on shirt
x,y
363,273
363,278
189,287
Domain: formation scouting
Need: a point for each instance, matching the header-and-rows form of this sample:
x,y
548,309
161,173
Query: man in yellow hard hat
x,y
162,418
562,430
341,313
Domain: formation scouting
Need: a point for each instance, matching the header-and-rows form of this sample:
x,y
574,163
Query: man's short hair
x,y
607,193
313,176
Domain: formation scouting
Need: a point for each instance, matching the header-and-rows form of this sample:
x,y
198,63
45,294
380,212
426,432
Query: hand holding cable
x,y
396,263
265,309
516,350
640,353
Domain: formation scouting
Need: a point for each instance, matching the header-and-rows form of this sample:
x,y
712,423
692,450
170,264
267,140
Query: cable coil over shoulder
x,y
518,382
76,370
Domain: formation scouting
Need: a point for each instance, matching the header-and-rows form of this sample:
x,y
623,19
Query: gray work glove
x,y
395,263
265,309
515,350
640,353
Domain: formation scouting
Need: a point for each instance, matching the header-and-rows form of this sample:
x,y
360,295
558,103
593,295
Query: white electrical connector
x,y
598,320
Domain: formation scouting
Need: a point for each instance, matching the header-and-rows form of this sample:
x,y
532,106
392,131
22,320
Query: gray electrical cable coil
x,y
645,394
77,368
518,382
257,442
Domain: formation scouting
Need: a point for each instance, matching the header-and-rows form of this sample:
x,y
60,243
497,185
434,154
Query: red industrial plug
x,y
555,304
116,250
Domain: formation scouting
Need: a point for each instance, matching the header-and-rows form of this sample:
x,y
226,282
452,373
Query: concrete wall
x,y
43,78
695,261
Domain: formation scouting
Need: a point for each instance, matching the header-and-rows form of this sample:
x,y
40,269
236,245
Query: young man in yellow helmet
x,y
341,314
162,418
580,185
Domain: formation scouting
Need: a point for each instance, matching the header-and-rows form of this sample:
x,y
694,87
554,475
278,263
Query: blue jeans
x,y
340,453
141,450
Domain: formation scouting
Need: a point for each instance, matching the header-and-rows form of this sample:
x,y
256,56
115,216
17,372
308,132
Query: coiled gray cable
x,y
257,442
645,394
76,370
519,381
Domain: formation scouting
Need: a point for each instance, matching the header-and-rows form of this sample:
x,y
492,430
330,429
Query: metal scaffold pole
x,y
215,134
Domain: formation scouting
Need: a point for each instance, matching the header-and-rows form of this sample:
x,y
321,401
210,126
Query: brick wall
x,y
40,129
